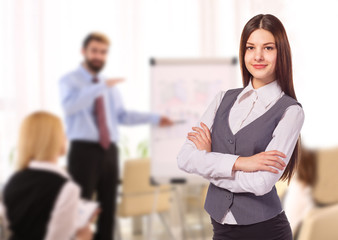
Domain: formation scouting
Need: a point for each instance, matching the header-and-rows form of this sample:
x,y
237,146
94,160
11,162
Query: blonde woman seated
x,y
40,200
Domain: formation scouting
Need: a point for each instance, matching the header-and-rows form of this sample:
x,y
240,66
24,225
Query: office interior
x,y
41,40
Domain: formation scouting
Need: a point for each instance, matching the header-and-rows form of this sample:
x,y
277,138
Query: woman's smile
x,y
259,66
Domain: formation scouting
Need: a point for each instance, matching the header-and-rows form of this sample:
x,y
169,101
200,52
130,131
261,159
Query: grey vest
x,y
253,138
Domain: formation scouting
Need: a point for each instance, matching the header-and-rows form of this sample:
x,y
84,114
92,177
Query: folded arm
x,y
284,139
207,164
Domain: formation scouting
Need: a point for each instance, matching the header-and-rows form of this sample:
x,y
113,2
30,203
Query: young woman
x,y
40,200
248,139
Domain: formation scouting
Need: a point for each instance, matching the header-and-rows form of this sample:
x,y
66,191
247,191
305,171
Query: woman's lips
x,y
259,66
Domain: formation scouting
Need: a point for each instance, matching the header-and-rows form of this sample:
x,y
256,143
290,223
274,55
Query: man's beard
x,y
95,65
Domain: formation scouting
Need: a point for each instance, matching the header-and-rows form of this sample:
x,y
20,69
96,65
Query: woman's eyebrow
x,y
268,43
263,44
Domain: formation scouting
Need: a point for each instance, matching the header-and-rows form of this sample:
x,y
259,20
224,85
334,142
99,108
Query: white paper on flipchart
x,y
182,92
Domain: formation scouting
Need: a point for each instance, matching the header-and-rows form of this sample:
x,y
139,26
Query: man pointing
x,y
93,108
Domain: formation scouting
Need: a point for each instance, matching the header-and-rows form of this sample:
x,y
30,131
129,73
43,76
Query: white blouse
x,y
217,167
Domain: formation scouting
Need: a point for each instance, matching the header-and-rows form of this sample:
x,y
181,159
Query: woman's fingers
x,y
206,130
201,133
196,135
274,164
195,141
270,169
272,159
95,214
200,139
276,159
276,152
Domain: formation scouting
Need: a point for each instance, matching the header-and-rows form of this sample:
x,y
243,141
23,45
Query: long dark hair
x,y
283,69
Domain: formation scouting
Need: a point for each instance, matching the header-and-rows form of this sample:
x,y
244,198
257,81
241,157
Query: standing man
x,y
93,108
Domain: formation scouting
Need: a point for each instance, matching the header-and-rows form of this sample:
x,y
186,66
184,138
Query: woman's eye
x,y
269,48
249,48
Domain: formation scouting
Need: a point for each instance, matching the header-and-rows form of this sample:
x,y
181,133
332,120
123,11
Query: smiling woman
x,y
248,139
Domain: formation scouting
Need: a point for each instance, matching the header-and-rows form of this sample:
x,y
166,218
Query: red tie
x,y
101,120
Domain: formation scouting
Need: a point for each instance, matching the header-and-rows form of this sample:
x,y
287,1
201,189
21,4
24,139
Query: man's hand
x,y
164,122
201,137
113,81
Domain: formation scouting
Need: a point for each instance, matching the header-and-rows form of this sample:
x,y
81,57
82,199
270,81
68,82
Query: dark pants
x,y
276,228
96,171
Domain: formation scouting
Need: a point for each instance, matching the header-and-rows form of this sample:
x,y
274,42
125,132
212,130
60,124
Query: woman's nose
x,y
259,55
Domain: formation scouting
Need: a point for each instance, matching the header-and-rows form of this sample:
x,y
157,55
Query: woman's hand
x,y
201,137
261,161
84,233
95,215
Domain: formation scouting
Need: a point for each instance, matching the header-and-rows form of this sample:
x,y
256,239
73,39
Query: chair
x,y
139,197
195,200
281,187
321,222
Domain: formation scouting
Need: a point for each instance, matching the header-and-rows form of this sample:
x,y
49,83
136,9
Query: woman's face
x,y
261,56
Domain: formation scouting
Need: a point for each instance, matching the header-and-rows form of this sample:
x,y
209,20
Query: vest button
x,y
230,141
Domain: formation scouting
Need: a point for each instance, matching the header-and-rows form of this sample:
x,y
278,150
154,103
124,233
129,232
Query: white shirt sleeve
x,y
207,164
284,139
62,224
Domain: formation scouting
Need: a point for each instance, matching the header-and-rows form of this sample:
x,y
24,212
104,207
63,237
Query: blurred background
x,y
40,40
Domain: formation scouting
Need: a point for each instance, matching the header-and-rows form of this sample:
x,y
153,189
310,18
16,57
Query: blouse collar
x,y
266,94
48,166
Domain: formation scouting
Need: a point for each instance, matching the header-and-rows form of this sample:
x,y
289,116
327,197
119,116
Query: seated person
x,y
298,200
40,200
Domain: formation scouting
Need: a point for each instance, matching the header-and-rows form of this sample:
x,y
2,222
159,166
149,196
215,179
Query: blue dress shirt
x,y
78,94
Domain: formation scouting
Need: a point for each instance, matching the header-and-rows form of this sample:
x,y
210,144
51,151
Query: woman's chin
x,y
261,76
